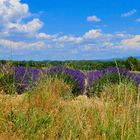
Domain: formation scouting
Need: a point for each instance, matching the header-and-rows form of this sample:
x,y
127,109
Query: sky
x,y
69,29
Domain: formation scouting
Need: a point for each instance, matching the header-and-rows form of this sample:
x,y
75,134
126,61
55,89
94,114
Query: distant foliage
x,y
132,64
86,65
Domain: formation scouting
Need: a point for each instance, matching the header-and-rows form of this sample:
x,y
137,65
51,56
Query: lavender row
x,y
122,73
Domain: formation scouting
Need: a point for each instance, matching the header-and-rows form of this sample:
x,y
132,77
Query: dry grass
x,y
115,115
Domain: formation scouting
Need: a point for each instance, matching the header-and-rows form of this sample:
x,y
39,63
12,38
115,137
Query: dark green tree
x,y
132,63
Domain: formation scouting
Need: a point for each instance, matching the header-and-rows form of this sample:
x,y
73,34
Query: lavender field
x,y
25,77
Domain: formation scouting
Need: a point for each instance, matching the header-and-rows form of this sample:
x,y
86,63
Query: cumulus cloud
x,y
93,19
29,28
13,10
92,34
12,14
130,13
131,43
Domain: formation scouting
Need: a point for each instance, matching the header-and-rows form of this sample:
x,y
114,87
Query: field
x,y
66,104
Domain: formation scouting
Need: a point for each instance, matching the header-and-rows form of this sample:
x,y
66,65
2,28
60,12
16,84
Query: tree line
x,y
131,63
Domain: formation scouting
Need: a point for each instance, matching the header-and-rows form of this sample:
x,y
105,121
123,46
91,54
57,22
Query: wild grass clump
x,y
74,78
7,80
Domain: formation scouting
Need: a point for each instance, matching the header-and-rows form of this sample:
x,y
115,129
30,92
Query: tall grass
x,y
51,112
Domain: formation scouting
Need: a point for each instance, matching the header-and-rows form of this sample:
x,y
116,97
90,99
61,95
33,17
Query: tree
x,y
132,63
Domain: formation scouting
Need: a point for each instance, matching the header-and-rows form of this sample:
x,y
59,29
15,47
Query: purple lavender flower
x,y
25,77
95,75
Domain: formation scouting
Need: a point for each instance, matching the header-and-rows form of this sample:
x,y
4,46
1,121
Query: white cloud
x,y
13,10
137,20
92,34
12,14
71,39
108,44
44,36
131,43
122,35
21,44
31,27
130,13
93,19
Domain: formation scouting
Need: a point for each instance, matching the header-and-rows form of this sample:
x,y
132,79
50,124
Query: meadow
x,y
62,103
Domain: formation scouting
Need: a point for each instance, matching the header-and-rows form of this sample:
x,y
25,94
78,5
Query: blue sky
x,y
66,30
